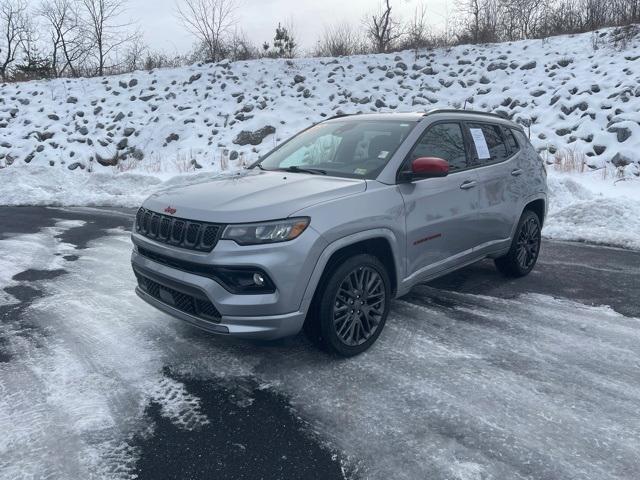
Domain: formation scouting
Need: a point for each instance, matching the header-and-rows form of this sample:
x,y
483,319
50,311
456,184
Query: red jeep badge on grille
x,y
170,210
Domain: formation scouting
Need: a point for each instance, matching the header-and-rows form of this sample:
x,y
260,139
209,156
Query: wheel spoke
x,y
528,244
358,276
343,327
359,305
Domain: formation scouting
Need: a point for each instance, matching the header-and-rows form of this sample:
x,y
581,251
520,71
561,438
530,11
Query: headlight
x,y
266,232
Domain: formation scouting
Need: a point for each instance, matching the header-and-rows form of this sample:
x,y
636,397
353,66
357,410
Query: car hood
x,y
251,196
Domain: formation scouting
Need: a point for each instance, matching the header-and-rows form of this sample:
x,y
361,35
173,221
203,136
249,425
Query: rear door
x,y
441,213
500,182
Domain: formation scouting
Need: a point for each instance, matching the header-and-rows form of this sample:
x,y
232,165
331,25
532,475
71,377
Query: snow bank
x,y
114,140
574,94
588,209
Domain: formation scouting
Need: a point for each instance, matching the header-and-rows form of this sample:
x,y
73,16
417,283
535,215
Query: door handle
x,y
517,172
466,185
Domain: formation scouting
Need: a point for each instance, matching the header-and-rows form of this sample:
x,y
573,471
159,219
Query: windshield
x,y
356,149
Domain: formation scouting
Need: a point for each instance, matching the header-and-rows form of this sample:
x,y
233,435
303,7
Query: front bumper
x,y
265,315
263,327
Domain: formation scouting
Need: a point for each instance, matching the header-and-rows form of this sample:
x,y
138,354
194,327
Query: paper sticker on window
x,y
480,142
360,171
383,154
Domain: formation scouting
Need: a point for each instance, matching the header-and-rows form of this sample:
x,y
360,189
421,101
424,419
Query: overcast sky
x,y
259,18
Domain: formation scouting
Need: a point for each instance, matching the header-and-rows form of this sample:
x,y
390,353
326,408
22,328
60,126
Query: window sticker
x,y
480,142
360,171
383,154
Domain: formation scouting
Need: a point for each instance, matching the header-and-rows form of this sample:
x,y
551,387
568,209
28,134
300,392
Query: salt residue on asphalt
x,y
458,386
40,251
85,361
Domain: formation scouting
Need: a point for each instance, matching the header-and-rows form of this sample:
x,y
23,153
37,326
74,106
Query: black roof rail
x,y
472,112
339,115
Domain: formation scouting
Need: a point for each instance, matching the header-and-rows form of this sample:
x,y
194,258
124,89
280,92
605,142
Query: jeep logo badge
x,y
170,210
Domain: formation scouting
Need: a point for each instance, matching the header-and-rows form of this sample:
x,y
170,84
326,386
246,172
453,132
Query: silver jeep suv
x,y
330,226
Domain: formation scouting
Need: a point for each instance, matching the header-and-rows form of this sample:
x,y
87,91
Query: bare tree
x,y
526,16
240,47
479,20
596,14
210,21
106,31
69,47
417,30
339,40
12,28
383,29
163,60
474,9
135,54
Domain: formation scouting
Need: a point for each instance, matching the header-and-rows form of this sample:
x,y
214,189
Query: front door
x,y
441,213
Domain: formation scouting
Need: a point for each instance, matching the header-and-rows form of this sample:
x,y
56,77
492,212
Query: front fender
x,y
346,241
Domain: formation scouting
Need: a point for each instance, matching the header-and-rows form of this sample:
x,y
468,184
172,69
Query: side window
x,y
521,138
443,140
510,141
488,143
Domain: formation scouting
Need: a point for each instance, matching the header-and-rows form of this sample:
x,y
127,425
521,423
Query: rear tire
x,y
351,306
525,247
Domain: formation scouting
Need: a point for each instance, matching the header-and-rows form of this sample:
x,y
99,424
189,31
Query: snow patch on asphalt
x,y
458,386
78,384
41,251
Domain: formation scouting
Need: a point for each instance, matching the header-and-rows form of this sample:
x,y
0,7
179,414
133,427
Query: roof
x,y
402,117
417,116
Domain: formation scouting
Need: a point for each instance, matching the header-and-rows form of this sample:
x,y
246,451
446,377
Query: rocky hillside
x,y
578,93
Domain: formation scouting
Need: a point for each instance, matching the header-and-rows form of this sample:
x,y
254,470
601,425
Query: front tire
x,y
352,305
525,247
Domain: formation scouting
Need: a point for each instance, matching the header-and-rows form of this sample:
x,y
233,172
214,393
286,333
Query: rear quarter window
x,y
521,138
510,141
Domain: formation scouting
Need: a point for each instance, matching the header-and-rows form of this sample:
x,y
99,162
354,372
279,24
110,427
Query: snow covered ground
x,y
459,386
585,207
114,140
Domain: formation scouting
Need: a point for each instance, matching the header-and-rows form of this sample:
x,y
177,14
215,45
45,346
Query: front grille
x,y
197,307
178,232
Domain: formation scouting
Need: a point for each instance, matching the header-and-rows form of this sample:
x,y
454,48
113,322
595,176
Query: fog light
x,y
258,279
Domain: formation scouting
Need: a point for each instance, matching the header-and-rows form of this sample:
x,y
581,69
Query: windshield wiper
x,y
296,169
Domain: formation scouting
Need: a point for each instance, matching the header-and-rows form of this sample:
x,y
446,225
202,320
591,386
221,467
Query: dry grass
x,y
184,162
569,161
224,159
154,165
126,165
242,161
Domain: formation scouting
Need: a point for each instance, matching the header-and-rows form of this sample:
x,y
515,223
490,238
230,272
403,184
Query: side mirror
x,y
427,167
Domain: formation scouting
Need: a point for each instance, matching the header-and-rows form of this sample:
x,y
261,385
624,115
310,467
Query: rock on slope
x,y
577,92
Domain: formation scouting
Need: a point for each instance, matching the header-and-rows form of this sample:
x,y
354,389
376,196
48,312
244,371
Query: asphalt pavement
x,y
276,434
